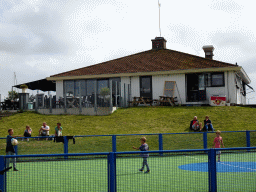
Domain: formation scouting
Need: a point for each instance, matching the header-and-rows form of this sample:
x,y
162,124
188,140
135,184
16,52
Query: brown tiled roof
x,y
148,61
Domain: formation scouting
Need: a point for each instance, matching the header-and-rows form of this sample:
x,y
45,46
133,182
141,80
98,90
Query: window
x,y
82,85
91,87
102,84
217,80
69,88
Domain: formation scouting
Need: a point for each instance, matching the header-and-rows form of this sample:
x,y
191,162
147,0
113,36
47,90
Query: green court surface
x,y
91,174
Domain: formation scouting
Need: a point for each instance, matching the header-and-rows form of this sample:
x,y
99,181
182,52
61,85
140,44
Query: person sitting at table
x,y
44,130
195,125
27,132
208,124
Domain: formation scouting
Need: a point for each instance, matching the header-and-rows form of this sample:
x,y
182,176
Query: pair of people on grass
x,y
197,126
45,129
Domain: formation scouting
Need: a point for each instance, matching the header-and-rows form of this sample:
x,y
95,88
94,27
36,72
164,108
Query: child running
x,y
217,142
144,147
10,149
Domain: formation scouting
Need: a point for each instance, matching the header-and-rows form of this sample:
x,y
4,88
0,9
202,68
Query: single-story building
x,y
197,78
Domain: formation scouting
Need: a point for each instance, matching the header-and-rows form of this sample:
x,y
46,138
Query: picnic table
x,y
167,100
141,100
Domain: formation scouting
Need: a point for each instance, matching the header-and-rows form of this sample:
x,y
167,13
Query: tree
x,y
12,95
104,92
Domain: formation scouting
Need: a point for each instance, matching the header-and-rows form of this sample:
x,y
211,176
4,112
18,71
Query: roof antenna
x,y
159,5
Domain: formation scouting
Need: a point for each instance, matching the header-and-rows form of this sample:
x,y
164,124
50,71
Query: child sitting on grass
x,y
144,147
217,142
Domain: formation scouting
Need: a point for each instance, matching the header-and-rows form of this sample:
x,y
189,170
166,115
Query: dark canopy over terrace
x,y
42,85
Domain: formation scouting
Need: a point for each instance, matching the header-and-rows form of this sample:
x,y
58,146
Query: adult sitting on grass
x,y
208,124
44,130
58,130
27,132
195,125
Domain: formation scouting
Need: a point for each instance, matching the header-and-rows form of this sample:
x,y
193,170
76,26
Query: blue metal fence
x,y
113,142
176,170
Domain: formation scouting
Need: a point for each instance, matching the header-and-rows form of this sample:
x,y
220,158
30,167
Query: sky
x,y
40,38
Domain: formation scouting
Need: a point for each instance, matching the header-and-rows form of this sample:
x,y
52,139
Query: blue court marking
x,y
222,167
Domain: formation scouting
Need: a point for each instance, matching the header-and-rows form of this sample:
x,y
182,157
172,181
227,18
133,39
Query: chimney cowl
x,y
208,49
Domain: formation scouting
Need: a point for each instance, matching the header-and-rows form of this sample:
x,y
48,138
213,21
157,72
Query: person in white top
x,y
44,130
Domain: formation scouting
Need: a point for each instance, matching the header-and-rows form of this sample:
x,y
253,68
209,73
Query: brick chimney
x,y
208,49
159,43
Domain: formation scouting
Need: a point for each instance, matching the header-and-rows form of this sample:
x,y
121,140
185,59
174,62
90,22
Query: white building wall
x,y
59,89
158,82
135,86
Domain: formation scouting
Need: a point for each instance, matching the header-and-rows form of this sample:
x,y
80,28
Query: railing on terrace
x,y
124,142
170,170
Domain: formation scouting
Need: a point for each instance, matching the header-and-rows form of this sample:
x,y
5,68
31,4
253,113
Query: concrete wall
x,y
101,111
59,89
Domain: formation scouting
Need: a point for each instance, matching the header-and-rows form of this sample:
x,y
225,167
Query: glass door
x,y
146,86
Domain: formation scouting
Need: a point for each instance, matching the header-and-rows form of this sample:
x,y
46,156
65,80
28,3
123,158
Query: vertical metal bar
x,y
50,103
212,170
124,104
116,94
205,140
113,143
16,149
112,172
95,96
65,103
36,105
65,146
2,177
120,92
111,102
248,139
160,140
80,99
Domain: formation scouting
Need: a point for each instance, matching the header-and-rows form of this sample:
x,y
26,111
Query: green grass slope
x,y
137,120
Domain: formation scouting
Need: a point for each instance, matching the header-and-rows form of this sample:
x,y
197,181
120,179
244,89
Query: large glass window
x,y
90,87
201,84
102,84
217,79
80,85
69,88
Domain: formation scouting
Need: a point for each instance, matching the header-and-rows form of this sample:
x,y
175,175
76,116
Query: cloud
x,y
229,6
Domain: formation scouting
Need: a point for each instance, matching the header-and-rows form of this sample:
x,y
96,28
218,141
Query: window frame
x,y
223,79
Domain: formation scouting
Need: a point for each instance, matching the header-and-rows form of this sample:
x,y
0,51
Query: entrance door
x,y
146,86
196,87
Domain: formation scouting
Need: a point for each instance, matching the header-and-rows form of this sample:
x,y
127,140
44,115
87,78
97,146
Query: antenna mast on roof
x,y
159,5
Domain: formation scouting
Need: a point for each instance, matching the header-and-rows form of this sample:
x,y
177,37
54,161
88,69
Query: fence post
x,y
124,105
212,170
116,95
112,172
65,103
248,139
113,143
2,177
205,140
65,146
50,103
111,102
160,140
16,149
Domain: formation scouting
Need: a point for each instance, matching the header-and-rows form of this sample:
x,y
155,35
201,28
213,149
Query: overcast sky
x,y
39,38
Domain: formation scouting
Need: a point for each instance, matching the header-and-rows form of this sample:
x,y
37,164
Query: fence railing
x,y
124,142
170,170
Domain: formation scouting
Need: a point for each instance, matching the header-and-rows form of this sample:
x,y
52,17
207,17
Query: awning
x,y
42,85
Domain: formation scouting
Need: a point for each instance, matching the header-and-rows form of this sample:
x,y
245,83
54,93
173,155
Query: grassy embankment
x,y
138,120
